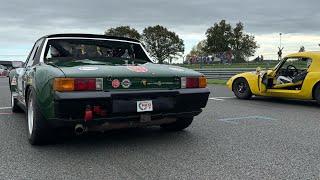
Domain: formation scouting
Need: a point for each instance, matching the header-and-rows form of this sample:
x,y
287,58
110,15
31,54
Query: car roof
x,y
80,35
308,54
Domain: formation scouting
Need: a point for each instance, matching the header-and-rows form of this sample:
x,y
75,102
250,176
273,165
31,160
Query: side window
x,y
30,55
298,63
33,53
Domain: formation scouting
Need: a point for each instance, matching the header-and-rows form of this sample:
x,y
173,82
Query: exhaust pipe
x,y
79,129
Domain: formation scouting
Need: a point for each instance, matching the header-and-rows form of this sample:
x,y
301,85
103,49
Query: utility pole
x,y
280,49
280,39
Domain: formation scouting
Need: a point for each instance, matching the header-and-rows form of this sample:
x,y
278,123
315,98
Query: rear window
x,y
103,50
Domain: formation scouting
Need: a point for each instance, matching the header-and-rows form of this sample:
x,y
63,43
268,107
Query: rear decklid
x,y
123,77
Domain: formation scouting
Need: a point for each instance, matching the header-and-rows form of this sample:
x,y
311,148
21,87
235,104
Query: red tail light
x,y
78,84
84,84
193,82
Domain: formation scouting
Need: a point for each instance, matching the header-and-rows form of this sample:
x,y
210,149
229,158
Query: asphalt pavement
x,y
261,138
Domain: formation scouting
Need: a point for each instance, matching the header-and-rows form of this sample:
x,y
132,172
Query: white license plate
x,y
144,106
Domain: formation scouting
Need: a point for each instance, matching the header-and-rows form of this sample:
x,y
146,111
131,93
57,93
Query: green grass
x,y
217,81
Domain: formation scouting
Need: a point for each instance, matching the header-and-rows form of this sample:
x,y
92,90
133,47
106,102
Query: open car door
x,y
262,81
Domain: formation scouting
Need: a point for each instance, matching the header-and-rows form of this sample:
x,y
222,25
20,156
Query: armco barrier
x,y
223,73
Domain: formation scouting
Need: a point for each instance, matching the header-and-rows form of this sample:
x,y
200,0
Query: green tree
x,y
222,37
242,45
199,49
162,44
218,37
123,31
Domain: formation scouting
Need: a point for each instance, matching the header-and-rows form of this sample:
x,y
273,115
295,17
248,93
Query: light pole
x,y
280,40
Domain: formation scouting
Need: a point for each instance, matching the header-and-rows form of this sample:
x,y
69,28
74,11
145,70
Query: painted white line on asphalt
x,y
256,118
216,99
225,97
5,107
5,113
220,98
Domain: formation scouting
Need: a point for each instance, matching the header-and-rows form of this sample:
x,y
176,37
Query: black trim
x,y
89,36
58,122
101,94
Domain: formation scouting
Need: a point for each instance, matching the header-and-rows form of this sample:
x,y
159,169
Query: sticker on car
x,y
139,69
144,106
126,83
115,83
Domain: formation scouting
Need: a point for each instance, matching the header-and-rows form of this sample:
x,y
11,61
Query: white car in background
x,y
3,70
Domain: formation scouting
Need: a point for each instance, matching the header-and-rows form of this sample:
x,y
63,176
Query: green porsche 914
x,y
89,82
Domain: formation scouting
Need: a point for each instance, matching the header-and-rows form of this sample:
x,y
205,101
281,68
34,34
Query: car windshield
x,y
94,51
279,64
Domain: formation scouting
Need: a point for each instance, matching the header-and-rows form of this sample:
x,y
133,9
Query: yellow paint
x,y
259,89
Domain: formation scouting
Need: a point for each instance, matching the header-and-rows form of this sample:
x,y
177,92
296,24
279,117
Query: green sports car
x,y
91,82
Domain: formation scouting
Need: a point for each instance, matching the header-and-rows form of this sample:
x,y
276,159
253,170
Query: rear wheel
x,y
178,125
241,89
316,94
38,131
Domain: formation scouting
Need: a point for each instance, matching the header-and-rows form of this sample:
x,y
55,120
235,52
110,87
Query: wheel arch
x,y
240,77
314,89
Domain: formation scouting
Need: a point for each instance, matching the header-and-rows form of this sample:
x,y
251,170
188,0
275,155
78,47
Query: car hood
x,y
145,70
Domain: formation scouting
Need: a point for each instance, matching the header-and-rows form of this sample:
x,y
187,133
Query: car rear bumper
x,y
70,107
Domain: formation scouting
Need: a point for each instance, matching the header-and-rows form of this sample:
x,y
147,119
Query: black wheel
x,y
38,131
14,107
241,89
179,125
316,94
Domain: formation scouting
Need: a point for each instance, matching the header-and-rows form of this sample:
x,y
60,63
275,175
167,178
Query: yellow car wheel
x,y
241,89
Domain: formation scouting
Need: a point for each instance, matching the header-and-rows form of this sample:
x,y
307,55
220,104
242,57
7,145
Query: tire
x,y
14,106
179,125
241,89
38,131
316,94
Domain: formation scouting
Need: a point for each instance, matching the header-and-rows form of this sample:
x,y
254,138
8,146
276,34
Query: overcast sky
x,y
24,21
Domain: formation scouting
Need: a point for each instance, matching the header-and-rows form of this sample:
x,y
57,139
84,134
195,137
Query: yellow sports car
x,y
297,76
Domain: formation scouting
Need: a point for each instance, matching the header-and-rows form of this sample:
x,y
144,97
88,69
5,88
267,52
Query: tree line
x,y
163,44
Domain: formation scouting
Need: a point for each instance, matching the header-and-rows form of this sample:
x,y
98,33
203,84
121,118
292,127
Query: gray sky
x,y
22,21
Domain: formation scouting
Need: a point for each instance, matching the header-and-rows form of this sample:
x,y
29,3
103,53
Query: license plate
x,y
144,106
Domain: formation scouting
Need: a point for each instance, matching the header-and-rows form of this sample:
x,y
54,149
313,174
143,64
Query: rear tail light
x,y
202,82
193,82
85,84
78,84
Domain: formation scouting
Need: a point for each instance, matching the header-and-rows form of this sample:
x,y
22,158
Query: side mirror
x,y
17,64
